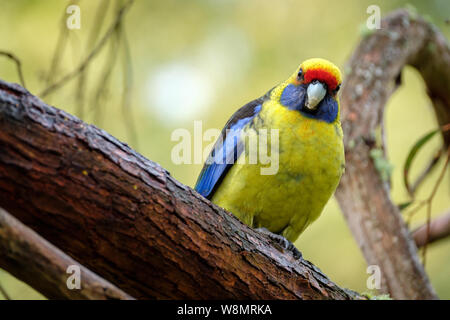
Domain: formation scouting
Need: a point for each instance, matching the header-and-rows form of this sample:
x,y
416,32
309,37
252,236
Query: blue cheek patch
x,y
293,97
327,110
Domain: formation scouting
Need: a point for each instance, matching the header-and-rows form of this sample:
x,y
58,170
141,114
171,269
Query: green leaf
x,y
404,205
383,166
412,154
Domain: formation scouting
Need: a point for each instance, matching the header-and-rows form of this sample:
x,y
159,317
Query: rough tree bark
x,y
375,70
29,257
125,218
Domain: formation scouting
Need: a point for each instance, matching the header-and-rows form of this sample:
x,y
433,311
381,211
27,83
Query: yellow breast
x,y
310,164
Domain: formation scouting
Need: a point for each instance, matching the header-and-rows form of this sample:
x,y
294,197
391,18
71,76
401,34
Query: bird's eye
x,y
300,75
337,88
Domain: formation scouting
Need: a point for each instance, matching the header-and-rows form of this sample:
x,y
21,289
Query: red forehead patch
x,y
321,75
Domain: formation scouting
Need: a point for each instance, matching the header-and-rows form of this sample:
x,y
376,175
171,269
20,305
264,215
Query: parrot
x,y
304,111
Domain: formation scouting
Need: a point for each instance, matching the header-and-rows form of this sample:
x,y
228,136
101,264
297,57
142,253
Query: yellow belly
x,y
311,162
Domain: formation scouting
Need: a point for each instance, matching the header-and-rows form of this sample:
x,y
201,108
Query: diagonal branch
x,y
32,259
4,293
125,218
439,228
16,60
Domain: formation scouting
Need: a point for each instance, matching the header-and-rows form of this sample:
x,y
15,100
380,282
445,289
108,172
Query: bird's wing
x,y
227,148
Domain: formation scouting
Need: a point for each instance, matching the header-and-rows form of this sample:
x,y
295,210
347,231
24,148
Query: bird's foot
x,y
282,241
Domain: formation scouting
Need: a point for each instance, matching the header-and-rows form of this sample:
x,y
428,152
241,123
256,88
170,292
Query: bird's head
x,y
312,90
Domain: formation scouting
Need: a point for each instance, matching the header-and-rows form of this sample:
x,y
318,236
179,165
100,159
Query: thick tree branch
x,y
128,220
439,229
375,70
29,257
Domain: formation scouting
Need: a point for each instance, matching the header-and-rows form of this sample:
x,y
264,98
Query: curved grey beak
x,y
315,93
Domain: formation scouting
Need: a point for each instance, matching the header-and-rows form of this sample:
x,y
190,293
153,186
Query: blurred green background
x,y
201,60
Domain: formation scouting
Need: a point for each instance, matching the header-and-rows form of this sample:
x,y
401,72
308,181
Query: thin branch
x,y
416,206
127,91
16,60
31,258
102,9
59,48
439,229
4,293
426,172
83,65
104,80
429,202
431,165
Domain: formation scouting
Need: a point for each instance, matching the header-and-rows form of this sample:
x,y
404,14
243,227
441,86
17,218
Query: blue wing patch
x,y
227,149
